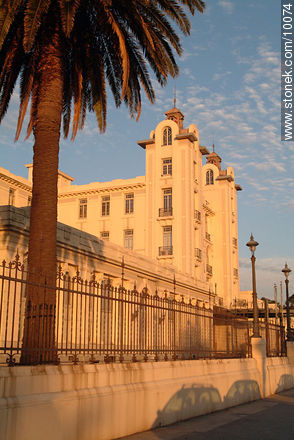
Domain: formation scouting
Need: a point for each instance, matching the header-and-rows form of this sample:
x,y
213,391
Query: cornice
x,y
15,183
93,191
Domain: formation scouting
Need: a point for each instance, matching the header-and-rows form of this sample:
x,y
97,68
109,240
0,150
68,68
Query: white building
x,y
181,214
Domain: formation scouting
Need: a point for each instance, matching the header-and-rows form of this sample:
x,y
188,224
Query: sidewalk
x,y
268,419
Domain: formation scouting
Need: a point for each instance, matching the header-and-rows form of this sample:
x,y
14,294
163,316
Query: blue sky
x,y
229,85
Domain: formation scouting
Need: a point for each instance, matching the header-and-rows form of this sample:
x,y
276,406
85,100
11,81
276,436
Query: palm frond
x,y
194,4
9,82
117,41
122,45
67,94
68,9
34,106
8,11
77,101
26,85
35,10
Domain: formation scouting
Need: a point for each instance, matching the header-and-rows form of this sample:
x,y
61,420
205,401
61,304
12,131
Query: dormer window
x,y
167,136
209,177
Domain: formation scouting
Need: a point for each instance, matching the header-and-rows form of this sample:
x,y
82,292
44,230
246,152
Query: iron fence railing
x,y
231,334
274,336
97,322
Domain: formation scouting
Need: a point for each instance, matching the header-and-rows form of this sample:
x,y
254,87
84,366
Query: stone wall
x,y
90,402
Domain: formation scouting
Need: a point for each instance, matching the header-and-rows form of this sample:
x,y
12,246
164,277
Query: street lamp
x,y
286,270
252,244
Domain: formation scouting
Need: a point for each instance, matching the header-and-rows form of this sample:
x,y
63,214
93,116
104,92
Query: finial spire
x,y
213,143
175,96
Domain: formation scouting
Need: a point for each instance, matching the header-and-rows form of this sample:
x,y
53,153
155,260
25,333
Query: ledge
x,y
145,142
229,178
203,150
190,136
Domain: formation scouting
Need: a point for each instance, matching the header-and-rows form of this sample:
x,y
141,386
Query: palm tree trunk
x,y
39,329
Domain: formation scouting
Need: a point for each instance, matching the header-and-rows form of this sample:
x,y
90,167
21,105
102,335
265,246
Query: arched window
x,y
167,136
209,177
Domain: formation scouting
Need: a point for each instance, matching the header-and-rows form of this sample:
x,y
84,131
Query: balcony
x,y
198,254
197,215
207,236
165,212
165,250
209,270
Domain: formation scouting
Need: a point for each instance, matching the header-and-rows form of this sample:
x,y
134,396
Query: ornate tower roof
x,y
214,158
176,115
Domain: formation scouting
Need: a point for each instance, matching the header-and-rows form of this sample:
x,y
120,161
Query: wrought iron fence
x,y
274,335
97,322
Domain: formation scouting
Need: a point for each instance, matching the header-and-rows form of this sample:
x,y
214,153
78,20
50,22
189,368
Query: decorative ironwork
x,y
197,215
209,269
165,250
97,322
198,254
165,212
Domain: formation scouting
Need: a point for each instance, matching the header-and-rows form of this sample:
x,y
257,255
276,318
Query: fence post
x,y
266,320
290,351
259,355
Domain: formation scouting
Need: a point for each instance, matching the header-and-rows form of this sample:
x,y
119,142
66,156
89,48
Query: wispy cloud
x,y
268,272
227,5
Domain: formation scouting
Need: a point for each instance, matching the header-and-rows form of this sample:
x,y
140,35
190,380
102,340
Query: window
x,y
167,199
209,177
129,203
167,236
104,235
29,200
11,197
167,136
167,248
105,205
167,167
128,238
83,208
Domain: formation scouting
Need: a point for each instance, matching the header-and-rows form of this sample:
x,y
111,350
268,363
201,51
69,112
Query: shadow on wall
x,y
286,382
198,400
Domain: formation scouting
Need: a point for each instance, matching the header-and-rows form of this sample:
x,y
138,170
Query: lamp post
x,y
286,270
252,244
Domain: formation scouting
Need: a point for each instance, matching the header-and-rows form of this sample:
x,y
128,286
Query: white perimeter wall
x,y
97,402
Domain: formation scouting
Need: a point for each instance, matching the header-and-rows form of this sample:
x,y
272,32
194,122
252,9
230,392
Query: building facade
x,y
182,214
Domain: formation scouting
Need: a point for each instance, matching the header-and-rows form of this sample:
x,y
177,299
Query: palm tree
x,y
64,52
